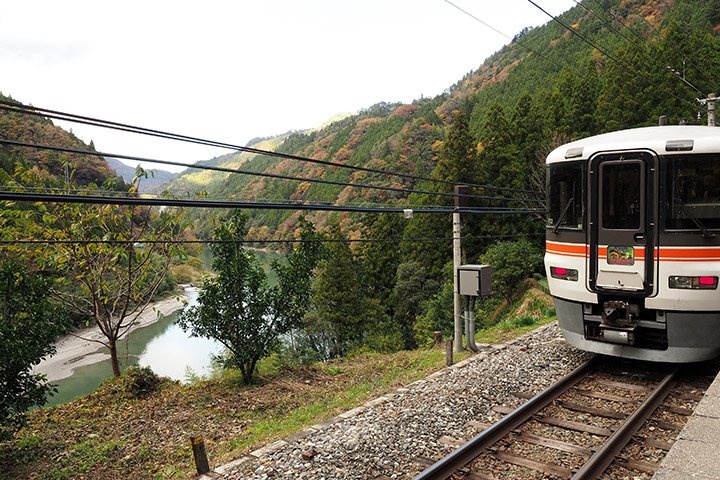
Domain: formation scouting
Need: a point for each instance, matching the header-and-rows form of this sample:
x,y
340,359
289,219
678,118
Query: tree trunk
x,y
248,371
114,358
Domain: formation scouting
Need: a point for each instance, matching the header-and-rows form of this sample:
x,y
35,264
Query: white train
x,y
633,242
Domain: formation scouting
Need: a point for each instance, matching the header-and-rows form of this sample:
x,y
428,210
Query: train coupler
x,y
618,322
617,313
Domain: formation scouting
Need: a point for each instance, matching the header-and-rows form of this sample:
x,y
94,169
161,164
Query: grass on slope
x,y
111,436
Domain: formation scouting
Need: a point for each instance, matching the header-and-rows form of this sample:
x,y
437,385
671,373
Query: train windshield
x,y
621,202
565,195
693,192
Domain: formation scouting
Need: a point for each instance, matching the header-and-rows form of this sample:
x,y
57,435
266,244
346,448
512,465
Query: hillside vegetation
x,y
604,65
48,165
545,87
139,426
607,70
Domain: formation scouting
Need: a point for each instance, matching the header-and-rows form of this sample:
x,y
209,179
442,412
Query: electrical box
x,y
474,280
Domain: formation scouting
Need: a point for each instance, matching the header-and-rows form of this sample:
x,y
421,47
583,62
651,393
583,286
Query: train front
x,y
633,242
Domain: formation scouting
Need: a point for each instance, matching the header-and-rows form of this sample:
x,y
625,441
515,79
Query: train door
x,y
622,223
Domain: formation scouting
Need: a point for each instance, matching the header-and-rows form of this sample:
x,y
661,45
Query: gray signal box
x,y
475,280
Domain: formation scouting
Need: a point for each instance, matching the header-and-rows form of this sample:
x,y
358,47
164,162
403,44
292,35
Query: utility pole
x,y
710,100
460,202
711,109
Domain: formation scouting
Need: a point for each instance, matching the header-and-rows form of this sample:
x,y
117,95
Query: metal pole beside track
x,y
460,202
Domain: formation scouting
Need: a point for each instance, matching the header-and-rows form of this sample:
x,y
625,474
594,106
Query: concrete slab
x,y
352,413
223,469
695,454
714,390
690,459
709,407
269,449
375,402
300,435
702,429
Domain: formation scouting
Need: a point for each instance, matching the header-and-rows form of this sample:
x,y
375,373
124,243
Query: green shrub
x,y
518,322
511,262
524,321
139,382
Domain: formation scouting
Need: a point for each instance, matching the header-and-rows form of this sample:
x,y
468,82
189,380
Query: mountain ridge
x,y
571,89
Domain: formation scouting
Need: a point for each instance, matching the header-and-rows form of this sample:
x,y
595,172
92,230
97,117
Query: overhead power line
x,y
4,141
69,117
256,241
479,20
175,202
515,39
684,53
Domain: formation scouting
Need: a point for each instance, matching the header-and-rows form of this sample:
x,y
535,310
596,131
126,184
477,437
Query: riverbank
x,y
109,435
84,347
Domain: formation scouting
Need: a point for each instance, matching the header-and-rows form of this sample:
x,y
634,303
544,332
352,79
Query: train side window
x,y
621,190
565,196
693,192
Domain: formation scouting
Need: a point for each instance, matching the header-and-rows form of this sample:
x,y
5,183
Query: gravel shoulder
x,y
385,437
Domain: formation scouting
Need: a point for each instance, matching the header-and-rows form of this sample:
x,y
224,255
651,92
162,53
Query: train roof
x,y
664,140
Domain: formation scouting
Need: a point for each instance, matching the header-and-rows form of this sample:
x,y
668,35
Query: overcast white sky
x,y
234,70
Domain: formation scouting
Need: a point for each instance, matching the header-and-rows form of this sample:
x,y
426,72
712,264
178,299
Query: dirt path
x,y
81,349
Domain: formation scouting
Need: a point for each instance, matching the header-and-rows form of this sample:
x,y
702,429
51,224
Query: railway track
x,y
606,419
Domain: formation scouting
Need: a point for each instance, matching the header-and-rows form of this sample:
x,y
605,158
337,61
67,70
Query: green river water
x,y
163,346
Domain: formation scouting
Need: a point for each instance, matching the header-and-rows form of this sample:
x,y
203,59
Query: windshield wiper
x,y
705,232
563,215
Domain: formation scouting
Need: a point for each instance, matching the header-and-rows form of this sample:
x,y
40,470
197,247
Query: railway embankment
x,y
400,434
390,436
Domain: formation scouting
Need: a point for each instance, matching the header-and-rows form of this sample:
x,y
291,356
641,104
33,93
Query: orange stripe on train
x,y
572,249
667,254
680,254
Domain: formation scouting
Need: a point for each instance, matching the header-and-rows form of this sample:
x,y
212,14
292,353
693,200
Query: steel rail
x,y
605,455
445,467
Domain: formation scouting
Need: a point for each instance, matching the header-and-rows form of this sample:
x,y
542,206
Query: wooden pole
x,y
449,352
199,454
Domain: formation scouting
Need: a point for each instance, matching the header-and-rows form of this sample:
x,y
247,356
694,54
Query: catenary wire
x,y
611,57
58,115
641,46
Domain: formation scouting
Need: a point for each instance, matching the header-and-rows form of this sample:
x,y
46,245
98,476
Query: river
x,y
162,345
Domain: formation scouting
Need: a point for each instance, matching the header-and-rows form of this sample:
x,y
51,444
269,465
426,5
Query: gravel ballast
x,y
428,418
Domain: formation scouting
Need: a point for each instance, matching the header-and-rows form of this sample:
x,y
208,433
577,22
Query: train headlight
x,y
695,283
564,273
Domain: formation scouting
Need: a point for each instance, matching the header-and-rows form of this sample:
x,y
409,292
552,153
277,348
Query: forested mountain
x,y
155,180
603,65
50,166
